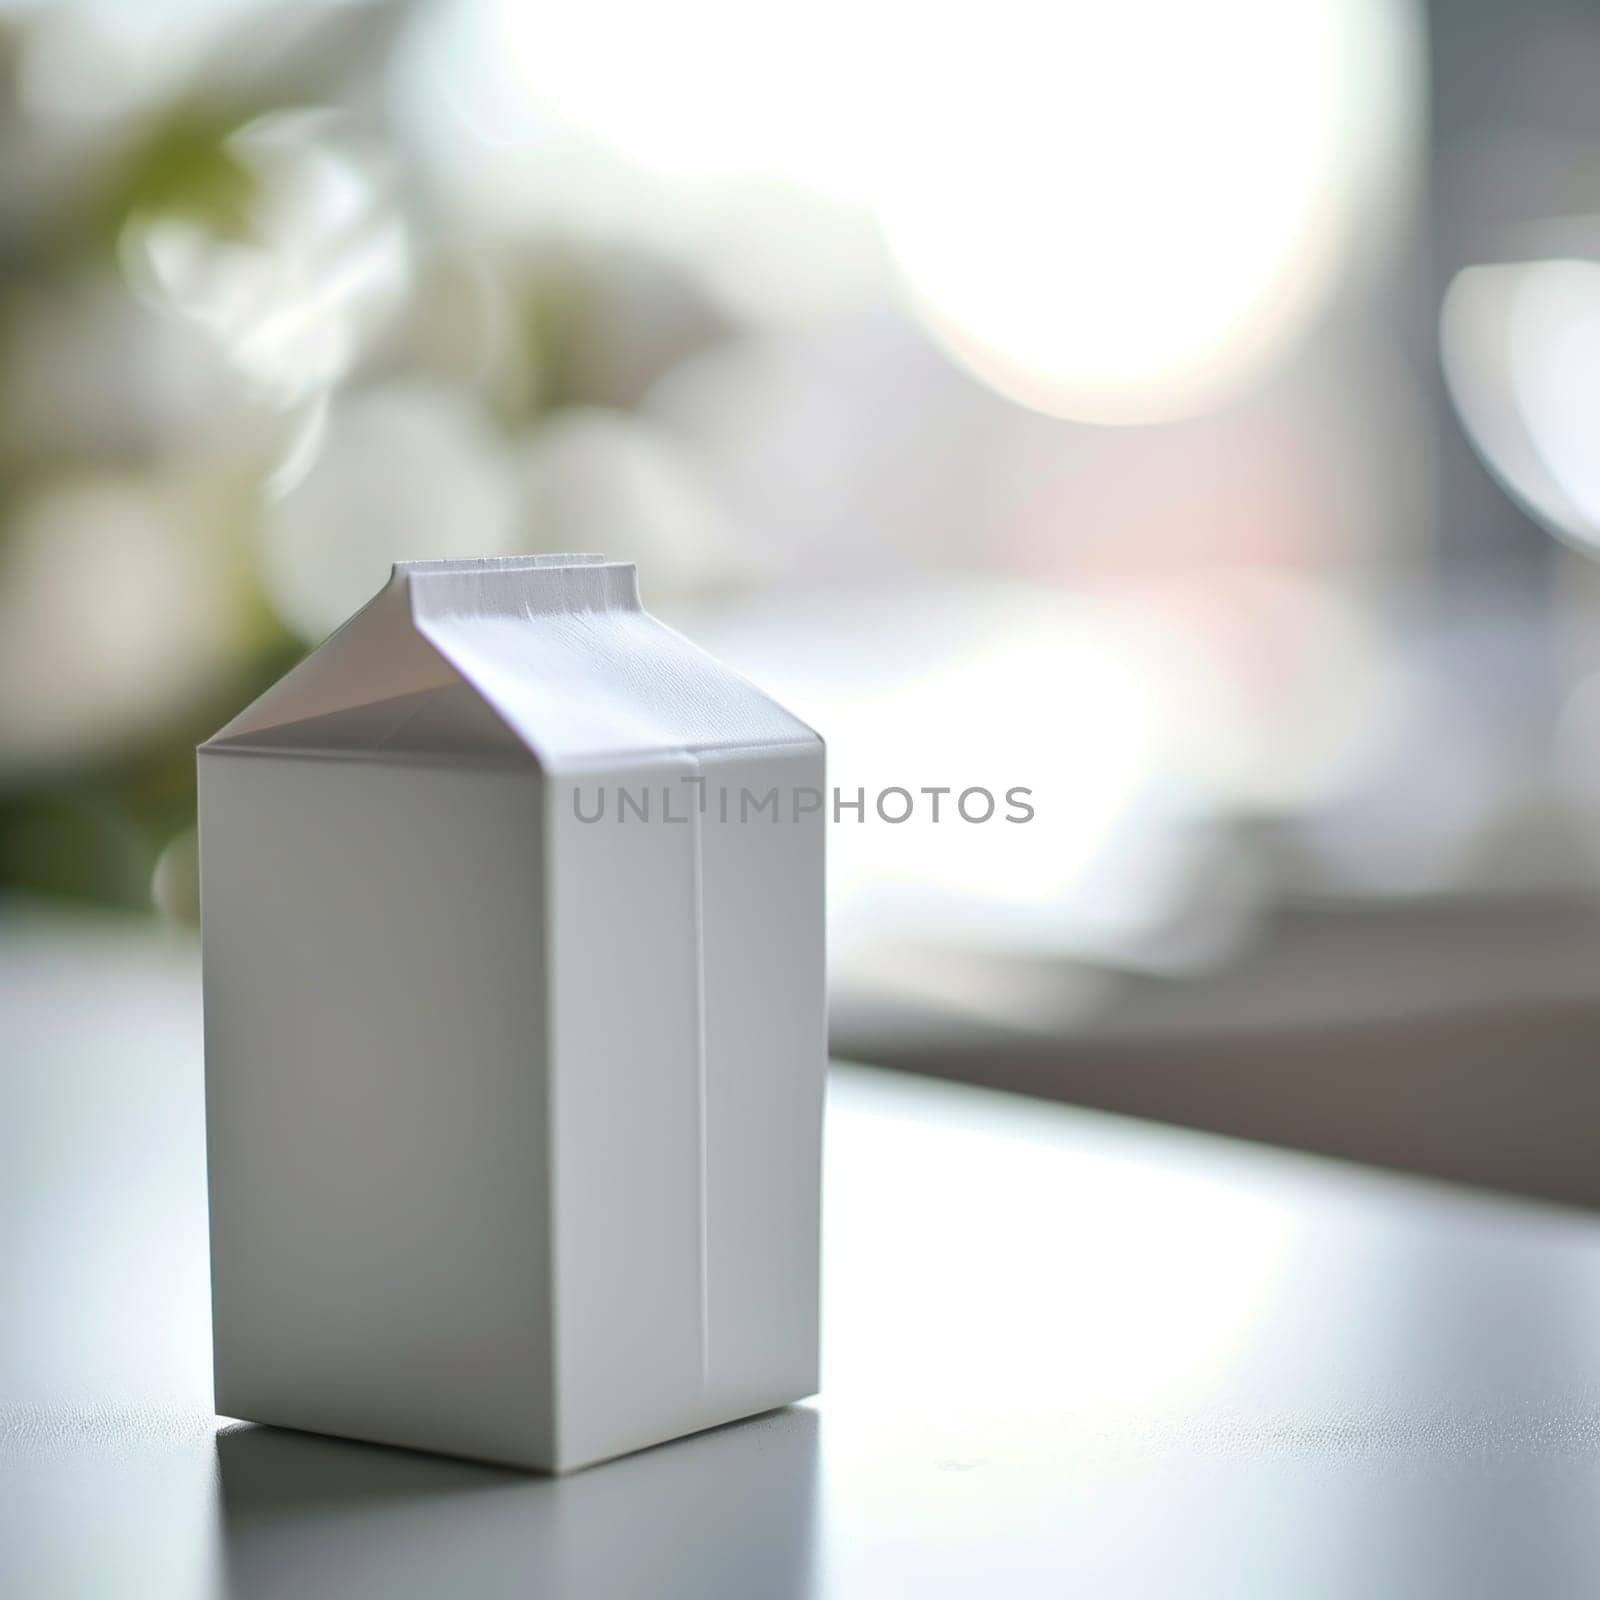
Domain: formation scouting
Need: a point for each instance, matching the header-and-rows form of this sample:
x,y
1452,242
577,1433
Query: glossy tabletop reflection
x,y
1064,1353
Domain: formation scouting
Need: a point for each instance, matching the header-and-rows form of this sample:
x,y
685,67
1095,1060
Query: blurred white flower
x,y
99,60
175,882
626,316
409,470
781,254
320,272
850,453
89,374
461,325
117,606
597,479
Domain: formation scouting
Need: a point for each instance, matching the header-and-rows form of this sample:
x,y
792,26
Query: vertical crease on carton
x,y
702,1077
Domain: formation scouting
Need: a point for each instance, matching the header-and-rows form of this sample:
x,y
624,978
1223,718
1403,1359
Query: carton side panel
x,y
375,1101
766,1051
688,1055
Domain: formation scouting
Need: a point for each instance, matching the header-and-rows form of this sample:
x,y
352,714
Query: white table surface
x,y
1064,1354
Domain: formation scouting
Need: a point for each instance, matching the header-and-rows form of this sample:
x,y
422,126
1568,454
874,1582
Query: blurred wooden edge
x,y
1508,1101
1455,1037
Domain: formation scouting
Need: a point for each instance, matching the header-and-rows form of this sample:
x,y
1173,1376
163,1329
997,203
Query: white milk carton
x,y
512,912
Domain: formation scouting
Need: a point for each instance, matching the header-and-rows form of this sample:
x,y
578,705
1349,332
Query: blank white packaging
x,y
512,910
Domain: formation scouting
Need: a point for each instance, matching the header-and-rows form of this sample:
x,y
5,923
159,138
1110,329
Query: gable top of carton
x,y
551,657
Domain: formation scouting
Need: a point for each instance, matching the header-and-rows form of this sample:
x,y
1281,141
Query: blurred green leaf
x,y
184,167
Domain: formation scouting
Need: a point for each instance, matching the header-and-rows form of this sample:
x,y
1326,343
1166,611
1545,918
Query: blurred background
x,y
1189,413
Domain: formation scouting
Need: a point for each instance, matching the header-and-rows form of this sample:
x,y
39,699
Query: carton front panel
x,y
373,965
